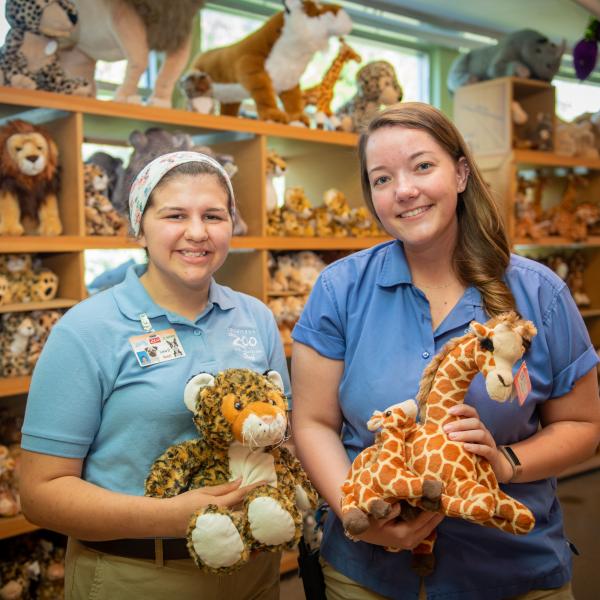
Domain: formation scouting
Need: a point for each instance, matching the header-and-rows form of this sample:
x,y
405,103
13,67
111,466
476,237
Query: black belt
x,y
146,548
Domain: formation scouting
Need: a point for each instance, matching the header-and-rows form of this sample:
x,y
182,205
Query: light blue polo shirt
x,y
365,311
89,397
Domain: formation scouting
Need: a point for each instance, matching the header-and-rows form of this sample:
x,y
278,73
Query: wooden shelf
x,y
47,305
60,243
169,116
588,313
16,526
289,561
592,241
537,158
12,386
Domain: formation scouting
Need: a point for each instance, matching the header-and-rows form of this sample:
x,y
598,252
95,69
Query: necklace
x,y
435,287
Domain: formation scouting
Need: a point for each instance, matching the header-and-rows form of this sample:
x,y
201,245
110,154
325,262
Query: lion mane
x,y
30,190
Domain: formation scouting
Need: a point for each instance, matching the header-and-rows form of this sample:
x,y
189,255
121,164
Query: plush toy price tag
x,y
522,383
156,347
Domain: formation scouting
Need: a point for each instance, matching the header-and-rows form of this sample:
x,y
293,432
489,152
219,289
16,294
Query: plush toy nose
x,y
32,157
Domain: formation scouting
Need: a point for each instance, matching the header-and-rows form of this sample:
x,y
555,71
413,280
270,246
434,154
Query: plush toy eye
x,y
238,405
19,148
387,413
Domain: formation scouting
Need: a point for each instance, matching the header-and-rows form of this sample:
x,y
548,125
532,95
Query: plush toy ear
x,y
275,378
194,386
478,330
409,407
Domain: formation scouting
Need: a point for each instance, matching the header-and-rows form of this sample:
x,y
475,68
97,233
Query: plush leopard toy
x,y
29,57
241,418
101,218
27,279
377,86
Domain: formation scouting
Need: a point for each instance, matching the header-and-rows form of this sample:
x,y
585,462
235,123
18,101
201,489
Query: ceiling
x,y
557,19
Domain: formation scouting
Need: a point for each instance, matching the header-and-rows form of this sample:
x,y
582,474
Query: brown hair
x,y
482,251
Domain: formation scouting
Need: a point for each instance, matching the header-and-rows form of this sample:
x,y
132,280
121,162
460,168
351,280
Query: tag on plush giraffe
x,y
522,383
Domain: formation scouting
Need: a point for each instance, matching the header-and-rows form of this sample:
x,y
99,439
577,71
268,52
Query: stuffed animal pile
x,y
291,278
33,566
24,279
524,53
419,465
22,337
10,458
29,181
571,269
573,217
580,138
29,58
242,422
101,218
534,132
334,218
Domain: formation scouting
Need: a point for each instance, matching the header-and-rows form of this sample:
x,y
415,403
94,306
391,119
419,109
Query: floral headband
x,y
149,177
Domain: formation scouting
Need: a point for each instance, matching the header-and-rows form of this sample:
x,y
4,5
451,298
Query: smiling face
x,y
186,230
414,186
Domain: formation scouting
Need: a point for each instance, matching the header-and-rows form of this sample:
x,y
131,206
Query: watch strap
x,y
513,460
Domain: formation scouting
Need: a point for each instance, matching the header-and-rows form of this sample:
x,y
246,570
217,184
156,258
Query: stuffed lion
x,y
29,182
241,418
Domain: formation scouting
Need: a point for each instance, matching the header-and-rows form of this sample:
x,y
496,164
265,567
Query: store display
x,y
114,30
581,137
112,167
29,180
524,53
228,411
376,86
268,63
470,489
27,279
276,167
101,218
30,55
321,95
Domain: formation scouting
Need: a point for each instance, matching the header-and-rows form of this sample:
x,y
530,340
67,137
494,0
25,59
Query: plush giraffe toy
x,y
380,473
321,95
470,488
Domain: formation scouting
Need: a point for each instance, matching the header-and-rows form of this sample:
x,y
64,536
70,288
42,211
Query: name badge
x,y
156,347
522,383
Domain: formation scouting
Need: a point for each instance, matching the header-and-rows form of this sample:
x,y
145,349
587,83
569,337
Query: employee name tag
x,y
156,347
522,383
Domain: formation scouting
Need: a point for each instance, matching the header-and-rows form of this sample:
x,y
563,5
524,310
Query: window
x,y
574,98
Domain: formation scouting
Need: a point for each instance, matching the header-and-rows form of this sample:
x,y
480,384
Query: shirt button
x,y
197,332
425,354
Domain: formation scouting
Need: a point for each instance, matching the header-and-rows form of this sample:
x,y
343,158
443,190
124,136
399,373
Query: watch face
x,y
513,457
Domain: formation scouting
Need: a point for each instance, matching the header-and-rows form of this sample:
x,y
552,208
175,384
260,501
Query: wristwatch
x,y
513,460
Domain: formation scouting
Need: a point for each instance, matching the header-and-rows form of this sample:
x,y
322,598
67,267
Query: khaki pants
x,y
92,575
340,587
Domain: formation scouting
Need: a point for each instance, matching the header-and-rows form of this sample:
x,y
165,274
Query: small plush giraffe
x,y
470,488
321,95
379,474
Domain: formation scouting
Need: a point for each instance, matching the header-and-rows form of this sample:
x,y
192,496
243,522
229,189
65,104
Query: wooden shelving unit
x,y
18,525
316,159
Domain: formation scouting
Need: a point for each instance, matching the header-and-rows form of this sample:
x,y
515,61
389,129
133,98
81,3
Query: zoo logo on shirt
x,y
245,342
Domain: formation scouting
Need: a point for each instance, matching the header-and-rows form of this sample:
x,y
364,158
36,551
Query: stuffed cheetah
x,y
241,418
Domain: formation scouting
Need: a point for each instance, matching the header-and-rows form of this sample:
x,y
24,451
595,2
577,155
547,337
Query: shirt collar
x,y
133,299
394,268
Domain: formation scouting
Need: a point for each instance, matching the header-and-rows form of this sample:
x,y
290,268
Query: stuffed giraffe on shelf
x,y
469,486
321,95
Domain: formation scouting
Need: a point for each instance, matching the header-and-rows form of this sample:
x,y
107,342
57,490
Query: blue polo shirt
x,y
90,398
365,311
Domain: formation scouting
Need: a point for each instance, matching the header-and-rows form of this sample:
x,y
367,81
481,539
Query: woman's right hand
x,y
405,535
229,494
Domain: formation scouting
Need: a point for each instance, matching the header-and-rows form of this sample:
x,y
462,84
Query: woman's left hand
x,y
476,438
